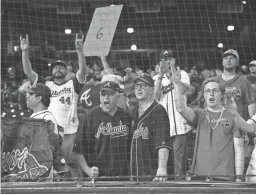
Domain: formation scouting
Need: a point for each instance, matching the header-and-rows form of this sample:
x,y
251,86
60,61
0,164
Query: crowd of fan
x,y
160,107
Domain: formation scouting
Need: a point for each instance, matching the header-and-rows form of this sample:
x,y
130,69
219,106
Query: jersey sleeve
x,y
39,79
184,78
198,114
249,93
82,141
161,133
78,85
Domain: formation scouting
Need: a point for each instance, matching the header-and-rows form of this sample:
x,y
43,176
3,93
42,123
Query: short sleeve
x,y
235,130
198,114
78,85
81,145
184,77
249,93
39,79
162,128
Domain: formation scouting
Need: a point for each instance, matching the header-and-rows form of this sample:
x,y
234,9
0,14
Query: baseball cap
x,y
230,52
41,90
110,86
59,62
114,78
146,78
167,53
252,63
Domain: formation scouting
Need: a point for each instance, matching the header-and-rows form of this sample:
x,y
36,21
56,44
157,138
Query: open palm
x,y
176,75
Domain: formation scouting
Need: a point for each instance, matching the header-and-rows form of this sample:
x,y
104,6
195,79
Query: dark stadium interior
x,y
193,28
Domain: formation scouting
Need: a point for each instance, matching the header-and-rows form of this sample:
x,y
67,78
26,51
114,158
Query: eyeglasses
x,y
142,86
210,91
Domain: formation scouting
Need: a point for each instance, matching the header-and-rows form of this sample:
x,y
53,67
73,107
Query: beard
x,y
59,76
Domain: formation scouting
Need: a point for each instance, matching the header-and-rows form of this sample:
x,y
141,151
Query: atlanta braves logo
x,y
141,131
86,97
24,163
117,131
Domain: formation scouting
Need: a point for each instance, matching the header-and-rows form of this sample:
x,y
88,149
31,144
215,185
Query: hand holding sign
x,y
102,29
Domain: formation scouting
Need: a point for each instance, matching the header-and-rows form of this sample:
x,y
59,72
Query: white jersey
x,y
178,125
63,103
47,115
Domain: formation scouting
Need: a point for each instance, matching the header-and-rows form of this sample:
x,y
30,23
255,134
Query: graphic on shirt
x,y
141,131
223,121
231,90
108,129
86,97
62,91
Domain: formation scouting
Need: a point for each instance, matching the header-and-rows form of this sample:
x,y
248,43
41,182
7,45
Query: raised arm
x,y
158,82
179,97
81,73
106,67
27,67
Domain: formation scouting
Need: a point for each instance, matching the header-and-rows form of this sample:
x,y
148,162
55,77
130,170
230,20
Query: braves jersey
x,y
178,125
104,141
150,133
63,103
242,91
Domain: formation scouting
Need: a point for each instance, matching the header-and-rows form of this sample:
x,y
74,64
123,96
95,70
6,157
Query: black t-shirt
x,y
104,141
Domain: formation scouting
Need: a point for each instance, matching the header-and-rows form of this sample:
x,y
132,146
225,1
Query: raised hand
x,y
94,172
103,57
176,76
24,43
79,43
162,66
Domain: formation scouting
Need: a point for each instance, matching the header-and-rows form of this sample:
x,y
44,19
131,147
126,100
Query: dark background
x,y
191,27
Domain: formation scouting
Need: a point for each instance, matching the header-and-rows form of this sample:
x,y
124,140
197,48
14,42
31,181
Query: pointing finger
x,y
26,37
21,38
76,36
82,37
178,68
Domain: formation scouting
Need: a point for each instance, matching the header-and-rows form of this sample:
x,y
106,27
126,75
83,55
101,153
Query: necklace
x,y
217,122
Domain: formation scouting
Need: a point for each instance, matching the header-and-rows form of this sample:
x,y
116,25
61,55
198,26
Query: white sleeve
x,y
50,117
184,77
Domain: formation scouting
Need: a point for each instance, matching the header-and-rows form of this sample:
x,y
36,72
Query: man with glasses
x,y
150,141
218,150
64,93
238,87
179,128
102,144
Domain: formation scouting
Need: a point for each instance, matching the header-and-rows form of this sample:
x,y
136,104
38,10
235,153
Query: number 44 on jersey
x,y
102,29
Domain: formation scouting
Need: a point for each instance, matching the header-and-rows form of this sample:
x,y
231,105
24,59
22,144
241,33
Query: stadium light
x,y
220,45
16,48
112,5
231,28
244,2
130,30
49,64
13,115
12,110
22,113
133,47
68,31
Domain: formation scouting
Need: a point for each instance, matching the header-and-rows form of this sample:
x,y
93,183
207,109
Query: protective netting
x,y
198,32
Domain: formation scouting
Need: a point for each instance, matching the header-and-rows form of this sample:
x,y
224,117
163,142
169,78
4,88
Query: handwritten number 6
x,y
99,35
